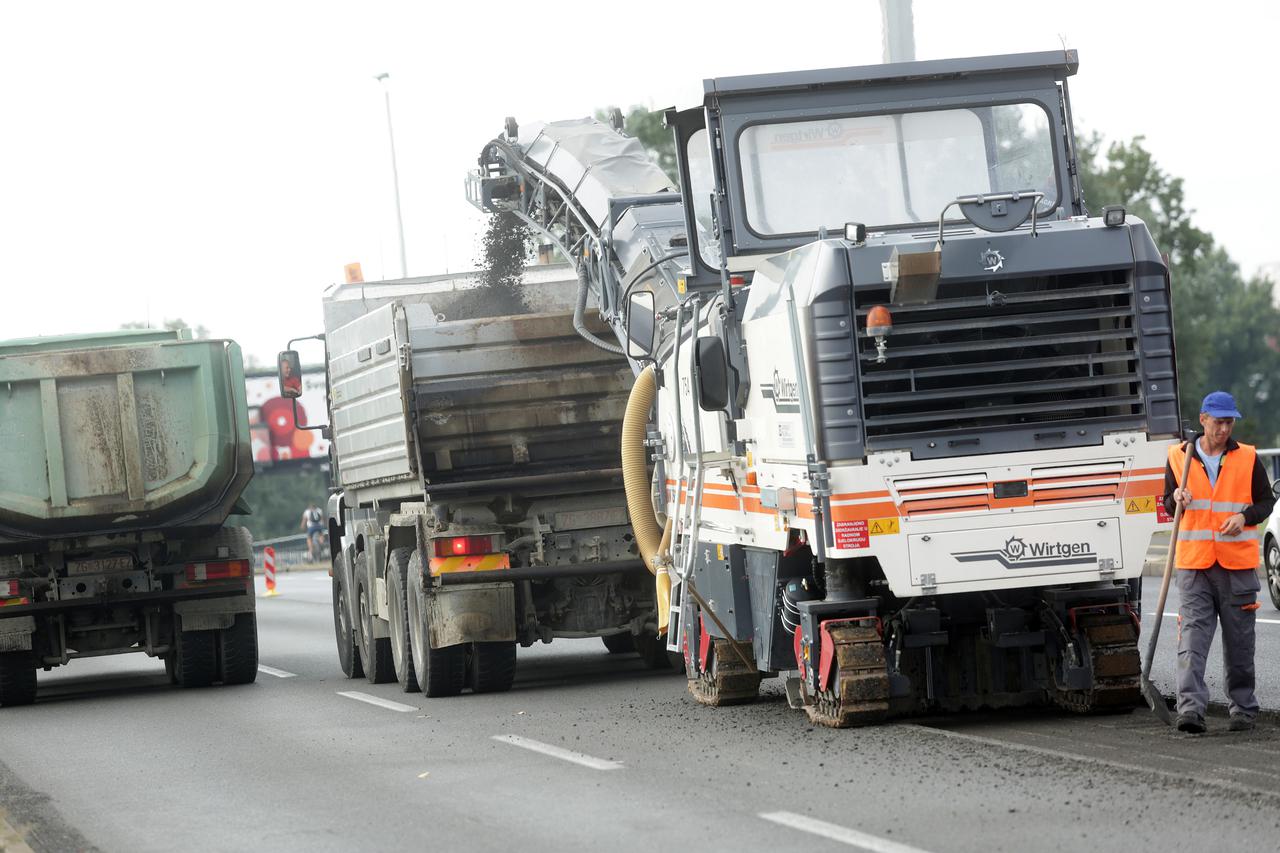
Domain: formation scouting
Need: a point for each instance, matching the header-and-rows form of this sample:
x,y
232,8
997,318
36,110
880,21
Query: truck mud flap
x,y
212,614
15,633
475,613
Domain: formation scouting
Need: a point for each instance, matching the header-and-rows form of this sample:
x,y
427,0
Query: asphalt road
x,y
591,752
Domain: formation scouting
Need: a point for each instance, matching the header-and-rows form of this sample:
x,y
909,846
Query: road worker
x,y
1226,496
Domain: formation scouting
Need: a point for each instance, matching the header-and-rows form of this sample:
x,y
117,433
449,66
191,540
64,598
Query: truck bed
x,y
118,432
418,401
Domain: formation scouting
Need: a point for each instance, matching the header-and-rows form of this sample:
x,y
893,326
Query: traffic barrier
x,y
269,568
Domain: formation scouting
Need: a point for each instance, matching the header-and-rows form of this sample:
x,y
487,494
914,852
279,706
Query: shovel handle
x,y
1168,568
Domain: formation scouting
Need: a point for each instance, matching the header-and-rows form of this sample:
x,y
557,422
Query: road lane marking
x,y
835,832
1181,777
278,673
559,752
379,701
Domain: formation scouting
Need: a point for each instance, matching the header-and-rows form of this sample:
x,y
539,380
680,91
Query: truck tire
x,y
619,644
375,652
238,647
440,672
653,651
343,630
493,667
398,605
17,678
196,663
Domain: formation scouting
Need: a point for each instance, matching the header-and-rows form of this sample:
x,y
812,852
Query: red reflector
x,y
464,546
737,280
8,588
217,571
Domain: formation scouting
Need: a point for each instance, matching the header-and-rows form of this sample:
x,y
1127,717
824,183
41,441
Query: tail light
x,y
11,595
466,546
222,570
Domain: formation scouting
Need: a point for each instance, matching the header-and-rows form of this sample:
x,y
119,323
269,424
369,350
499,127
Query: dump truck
x,y
122,455
478,502
907,402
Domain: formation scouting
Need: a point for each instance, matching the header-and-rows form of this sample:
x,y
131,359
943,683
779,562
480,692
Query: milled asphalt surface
x,y
112,757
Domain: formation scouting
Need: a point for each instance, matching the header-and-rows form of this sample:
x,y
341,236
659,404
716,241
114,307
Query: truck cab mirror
x,y
713,374
290,374
640,325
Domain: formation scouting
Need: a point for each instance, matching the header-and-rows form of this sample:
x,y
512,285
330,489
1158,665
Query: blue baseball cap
x,y
1219,404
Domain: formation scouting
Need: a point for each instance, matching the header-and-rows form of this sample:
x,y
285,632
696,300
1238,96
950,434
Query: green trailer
x,y
121,457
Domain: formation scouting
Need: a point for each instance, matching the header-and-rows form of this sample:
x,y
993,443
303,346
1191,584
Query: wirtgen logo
x,y
785,393
1017,553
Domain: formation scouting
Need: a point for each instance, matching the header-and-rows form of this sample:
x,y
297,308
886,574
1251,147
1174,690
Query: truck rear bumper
x,y
538,573
168,596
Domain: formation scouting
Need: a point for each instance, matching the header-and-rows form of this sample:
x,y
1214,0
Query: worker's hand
x,y
1233,525
1182,497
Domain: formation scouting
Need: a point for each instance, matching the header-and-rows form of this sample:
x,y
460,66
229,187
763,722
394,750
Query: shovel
x,y
1149,692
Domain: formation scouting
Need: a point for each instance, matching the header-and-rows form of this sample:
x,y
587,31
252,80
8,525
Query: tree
x,y
1226,326
646,126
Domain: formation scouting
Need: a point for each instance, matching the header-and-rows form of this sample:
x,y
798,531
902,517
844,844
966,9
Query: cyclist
x,y
313,523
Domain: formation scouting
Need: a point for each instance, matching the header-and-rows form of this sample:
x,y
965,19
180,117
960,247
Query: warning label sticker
x,y
851,534
1147,503
1162,516
883,526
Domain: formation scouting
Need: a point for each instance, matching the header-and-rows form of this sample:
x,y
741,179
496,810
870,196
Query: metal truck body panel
x,y
110,434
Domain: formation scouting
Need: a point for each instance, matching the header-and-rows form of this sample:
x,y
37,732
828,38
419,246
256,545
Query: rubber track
x,y
1112,642
730,681
859,695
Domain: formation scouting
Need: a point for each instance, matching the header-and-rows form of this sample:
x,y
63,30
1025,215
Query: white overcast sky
x,y
221,162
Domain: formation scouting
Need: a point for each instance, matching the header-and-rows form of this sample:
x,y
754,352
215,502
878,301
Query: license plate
x,y
100,566
612,516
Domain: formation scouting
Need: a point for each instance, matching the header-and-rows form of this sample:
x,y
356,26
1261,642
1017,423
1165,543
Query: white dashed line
x,y
278,673
835,832
376,700
558,752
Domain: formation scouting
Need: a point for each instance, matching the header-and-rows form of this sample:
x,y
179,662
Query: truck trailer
x,y
122,455
907,401
478,502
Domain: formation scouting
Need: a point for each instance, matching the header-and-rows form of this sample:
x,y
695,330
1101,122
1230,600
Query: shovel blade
x,y
1155,699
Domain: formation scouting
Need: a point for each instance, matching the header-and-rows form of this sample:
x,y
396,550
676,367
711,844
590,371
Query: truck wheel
x,y
653,651
375,653
619,644
397,603
348,657
197,658
17,678
440,672
239,650
493,667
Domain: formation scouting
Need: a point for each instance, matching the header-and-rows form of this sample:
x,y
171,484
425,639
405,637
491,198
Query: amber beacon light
x,y
879,325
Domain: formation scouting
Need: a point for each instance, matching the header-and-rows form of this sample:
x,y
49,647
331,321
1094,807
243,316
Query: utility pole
x,y
395,173
899,31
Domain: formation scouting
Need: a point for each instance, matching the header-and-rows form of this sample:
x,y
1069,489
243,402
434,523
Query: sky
x,y
222,162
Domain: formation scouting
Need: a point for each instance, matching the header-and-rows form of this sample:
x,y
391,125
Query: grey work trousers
x,y
1209,596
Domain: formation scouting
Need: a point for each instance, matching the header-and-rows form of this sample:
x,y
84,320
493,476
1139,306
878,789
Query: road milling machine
x,y
901,406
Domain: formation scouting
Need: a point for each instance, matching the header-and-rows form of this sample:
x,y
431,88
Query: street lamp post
x,y
395,173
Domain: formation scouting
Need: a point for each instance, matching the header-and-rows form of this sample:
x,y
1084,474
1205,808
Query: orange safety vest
x,y
1200,545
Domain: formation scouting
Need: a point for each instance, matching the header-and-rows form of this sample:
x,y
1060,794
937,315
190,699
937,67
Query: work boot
x,y
1240,723
1192,724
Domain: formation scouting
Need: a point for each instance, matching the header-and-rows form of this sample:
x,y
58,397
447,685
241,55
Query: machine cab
x,y
771,162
